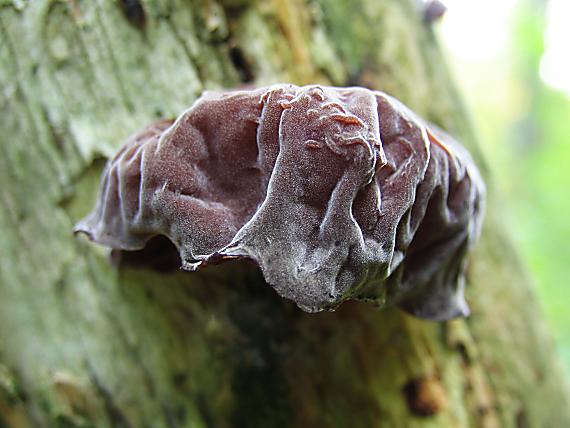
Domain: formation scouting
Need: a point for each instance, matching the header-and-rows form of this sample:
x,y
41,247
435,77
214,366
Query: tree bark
x,y
86,341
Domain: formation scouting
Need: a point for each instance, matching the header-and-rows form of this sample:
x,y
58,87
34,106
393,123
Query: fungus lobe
x,y
336,193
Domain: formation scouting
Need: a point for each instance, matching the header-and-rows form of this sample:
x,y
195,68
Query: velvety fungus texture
x,y
336,193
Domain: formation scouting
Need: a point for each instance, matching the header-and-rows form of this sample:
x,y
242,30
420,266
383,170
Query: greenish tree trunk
x,y
85,342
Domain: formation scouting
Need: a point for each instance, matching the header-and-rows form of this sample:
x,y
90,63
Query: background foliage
x,y
525,130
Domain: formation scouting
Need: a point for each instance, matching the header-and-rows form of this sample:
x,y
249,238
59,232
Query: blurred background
x,y
511,60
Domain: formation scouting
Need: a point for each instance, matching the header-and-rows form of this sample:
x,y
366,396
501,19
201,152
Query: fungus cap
x,y
336,193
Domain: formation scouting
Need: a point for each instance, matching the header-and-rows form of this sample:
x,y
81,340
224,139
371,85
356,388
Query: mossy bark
x,y
87,342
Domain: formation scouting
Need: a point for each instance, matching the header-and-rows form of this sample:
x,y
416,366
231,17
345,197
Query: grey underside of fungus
x,y
336,193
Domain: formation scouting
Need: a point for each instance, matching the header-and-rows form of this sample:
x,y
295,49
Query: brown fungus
x,y
336,193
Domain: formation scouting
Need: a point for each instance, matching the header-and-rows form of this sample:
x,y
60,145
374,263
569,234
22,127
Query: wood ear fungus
x,y
336,193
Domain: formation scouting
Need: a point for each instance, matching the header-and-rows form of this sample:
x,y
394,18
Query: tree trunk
x,y
86,341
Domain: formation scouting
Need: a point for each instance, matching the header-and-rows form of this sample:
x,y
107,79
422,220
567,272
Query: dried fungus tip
x,y
433,10
336,193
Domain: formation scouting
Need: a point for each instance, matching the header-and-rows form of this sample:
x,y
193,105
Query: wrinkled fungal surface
x,y
336,193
